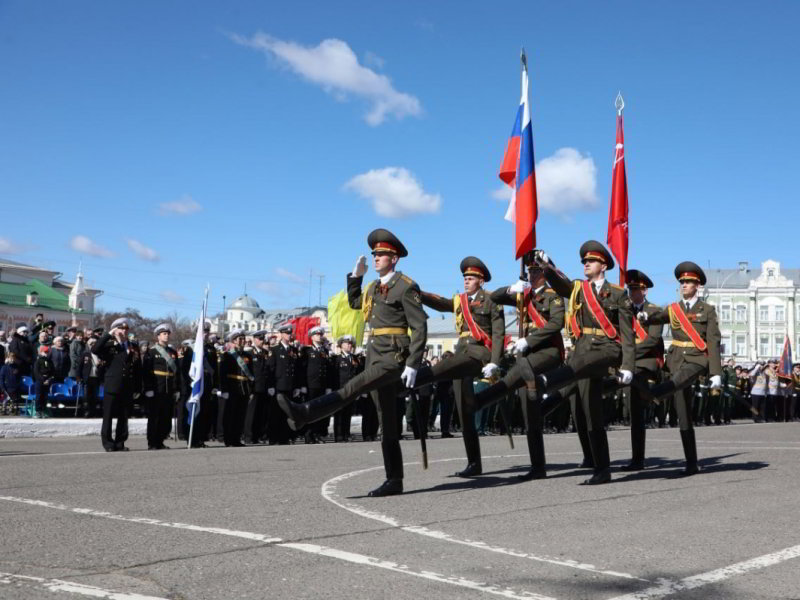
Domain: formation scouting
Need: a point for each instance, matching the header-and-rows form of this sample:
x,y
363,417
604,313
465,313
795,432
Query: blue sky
x,y
170,144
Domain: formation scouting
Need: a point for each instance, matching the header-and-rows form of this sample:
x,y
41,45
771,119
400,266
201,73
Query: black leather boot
x,y
472,470
637,442
390,487
599,444
533,431
690,451
301,414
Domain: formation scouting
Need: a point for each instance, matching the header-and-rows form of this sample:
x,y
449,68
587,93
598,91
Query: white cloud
x,y
566,182
334,66
7,246
82,244
143,251
185,205
172,296
373,60
289,275
394,192
280,291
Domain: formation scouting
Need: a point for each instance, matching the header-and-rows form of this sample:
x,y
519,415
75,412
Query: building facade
x,y
244,313
756,309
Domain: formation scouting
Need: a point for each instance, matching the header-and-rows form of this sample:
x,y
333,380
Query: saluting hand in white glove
x,y
361,266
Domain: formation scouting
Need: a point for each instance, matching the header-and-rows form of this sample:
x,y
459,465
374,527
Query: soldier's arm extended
x,y
713,339
436,302
543,335
354,291
558,281
418,322
503,296
658,316
625,308
498,332
653,339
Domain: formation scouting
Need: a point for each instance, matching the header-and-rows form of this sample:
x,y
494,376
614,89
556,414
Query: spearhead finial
x,y
619,103
523,58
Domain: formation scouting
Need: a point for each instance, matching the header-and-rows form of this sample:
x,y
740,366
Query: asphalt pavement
x,y
294,521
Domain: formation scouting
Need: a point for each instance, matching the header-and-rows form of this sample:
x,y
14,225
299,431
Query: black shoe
x,y
112,449
472,470
163,447
153,448
390,487
689,470
447,434
532,474
603,476
634,465
121,449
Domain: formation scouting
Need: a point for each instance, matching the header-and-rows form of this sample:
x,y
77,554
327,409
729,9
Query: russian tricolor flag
x,y
518,172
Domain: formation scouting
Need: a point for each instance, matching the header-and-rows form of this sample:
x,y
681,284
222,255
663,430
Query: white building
x,y
245,313
756,309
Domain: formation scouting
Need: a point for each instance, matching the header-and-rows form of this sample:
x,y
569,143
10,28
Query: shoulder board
x,y
615,286
549,291
407,279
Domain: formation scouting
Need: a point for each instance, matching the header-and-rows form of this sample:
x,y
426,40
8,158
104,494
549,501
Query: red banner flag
x,y
618,209
302,325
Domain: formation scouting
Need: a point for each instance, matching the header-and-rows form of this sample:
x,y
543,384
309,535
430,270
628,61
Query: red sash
x,y
474,329
688,328
597,311
538,320
640,331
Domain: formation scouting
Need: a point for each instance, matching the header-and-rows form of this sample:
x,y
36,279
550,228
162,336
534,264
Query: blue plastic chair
x,y
59,395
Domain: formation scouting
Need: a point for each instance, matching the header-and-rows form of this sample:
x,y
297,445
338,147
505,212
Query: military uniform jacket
x,y
617,306
262,371
316,368
235,380
122,368
156,373
284,368
397,305
347,366
649,351
184,364
487,315
548,304
704,319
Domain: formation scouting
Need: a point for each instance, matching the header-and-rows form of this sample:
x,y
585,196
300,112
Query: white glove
x,y
225,395
303,390
176,396
541,256
271,391
215,392
519,287
520,345
149,394
489,370
295,393
625,376
716,382
328,390
409,376
361,266
641,316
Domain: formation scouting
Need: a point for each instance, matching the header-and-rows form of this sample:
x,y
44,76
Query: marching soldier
x,y
237,385
122,378
161,382
649,360
600,319
391,305
694,352
347,367
539,349
481,327
316,374
285,373
256,417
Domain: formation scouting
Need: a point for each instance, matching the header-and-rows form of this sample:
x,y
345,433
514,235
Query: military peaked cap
x,y
594,250
162,327
236,333
637,279
345,338
316,330
383,240
689,270
285,328
472,265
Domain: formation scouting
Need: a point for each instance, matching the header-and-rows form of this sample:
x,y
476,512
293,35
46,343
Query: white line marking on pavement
x,y
361,559
70,587
329,492
351,557
247,535
665,587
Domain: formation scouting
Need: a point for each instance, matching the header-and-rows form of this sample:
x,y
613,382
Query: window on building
x,y
763,313
763,346
725,346
725,312
741,345
741,313
780,313
241,316
778,345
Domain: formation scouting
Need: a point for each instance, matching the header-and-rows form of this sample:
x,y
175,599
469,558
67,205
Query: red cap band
x,y
474,271
690,275
595,256
385,247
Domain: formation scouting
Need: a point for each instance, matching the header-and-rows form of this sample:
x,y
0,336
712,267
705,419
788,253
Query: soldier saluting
x,y
694,352
160,378
392,306
481,326
600,320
